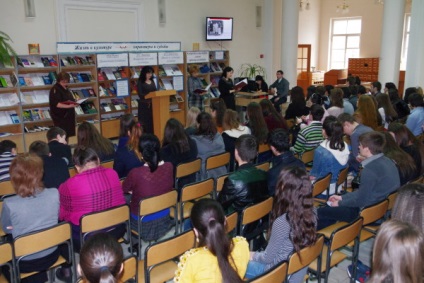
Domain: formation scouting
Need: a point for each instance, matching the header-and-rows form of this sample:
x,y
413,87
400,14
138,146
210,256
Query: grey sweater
x,y
23,215
379,178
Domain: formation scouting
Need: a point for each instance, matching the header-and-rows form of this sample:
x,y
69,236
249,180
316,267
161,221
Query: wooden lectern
x,y
160,109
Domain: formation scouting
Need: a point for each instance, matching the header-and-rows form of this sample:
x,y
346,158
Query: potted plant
x,y
252,70
6,50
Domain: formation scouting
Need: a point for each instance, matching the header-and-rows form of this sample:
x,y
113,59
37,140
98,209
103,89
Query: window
x,y
405,43
345,38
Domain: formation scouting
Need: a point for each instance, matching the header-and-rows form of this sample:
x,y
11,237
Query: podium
x,y
160,110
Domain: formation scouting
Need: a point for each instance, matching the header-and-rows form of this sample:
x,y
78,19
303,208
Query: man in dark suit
x,y
280,90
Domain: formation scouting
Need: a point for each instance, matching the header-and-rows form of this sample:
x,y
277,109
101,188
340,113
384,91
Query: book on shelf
x,y
201,90
47,80
75,77
100,76
14,117
64,62
53,76
222,65
88,108
9,99
37,80
167,83
215,92
133,87
78,110
215,67
108,73
8,80
52,62
3,82
26,115
90,60
161,72
172,70
45,61
134,103
117,74
215,80
85,77
240,84
21,81
35,115
204,69
40,96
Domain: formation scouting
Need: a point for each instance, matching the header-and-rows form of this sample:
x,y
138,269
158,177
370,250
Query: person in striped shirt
x,y
7,153
311,136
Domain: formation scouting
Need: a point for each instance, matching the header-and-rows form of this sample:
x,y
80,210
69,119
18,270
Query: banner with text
x,y
171,58
103,47
197,56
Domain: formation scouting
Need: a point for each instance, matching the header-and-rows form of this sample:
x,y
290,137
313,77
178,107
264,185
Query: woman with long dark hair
x,y
336,106
366,113
145,85
386,110
101,259
217,111
332,154
273,119
89,137
152,179
226,88
297,107
256,122
293,223
217,258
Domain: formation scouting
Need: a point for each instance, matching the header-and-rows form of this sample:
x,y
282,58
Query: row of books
x,y
80,77
169,70
114,105
8,80
9,117
217,67
87,107
107,90
34,97
76,60
111,74
36,62
8,99
82,93
31,115
37,79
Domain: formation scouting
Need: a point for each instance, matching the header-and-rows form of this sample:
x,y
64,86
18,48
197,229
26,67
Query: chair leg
x,y
52,275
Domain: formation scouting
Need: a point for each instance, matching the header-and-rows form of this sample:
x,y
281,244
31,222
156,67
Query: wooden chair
x,y
24,245
253,213
263,166
189,194
331,256
155,204
130,269
392,199
232,222
2,233
419,180
186,169
342,178
6,258
72,172
158,264
107,164
216,161
305,256
321,185
6,189
106,219
307,158
276,274
219,184
264,153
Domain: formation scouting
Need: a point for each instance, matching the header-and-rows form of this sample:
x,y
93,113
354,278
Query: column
x,y
414,75
391,41
289,40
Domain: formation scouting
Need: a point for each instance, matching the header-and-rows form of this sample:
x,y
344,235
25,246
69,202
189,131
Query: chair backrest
x,y
307,156
346,234
305,256
6,253
95,221
130,269
263,147
107,164
197,190
256,211
6,189
188,168
46,238
218,160
321,185
392,199
263,166
231,221
220,183
166,250
157,203
72,172
374,212
276,274
342,177
2,233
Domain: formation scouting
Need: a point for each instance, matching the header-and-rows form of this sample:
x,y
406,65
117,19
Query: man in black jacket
x,y
279,142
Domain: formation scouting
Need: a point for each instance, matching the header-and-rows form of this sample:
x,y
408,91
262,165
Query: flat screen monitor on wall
x,y
219,28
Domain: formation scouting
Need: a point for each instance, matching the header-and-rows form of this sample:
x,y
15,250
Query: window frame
x,y
405,41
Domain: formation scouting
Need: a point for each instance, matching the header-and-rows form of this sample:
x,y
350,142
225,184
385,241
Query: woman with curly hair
x,y
366,113
256,122
293,223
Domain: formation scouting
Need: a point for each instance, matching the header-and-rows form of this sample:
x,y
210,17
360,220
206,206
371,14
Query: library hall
x,y
211,141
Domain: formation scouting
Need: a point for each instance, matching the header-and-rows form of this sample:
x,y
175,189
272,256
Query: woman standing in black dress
x,y
226,88
145,85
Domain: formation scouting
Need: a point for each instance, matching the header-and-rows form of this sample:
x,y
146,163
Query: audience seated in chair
x,y
127,155
56,138
7,153
409,205
216,258
32,208
415,120
378,179
293,222
55,168
311,136
398,254
152,179
256,123
273,119
217,111
279,142
89,137
101,259
191,120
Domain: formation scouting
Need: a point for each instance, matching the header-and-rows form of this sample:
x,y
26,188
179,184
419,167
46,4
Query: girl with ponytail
x,y
217,258
154,178
101,259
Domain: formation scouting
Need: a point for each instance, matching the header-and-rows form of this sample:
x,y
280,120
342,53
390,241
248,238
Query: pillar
x,y
289,40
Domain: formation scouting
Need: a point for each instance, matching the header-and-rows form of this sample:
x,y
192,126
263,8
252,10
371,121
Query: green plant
x,y
6,50
252,70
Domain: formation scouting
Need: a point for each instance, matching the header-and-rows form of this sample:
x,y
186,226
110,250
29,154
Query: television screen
x,y
219,28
